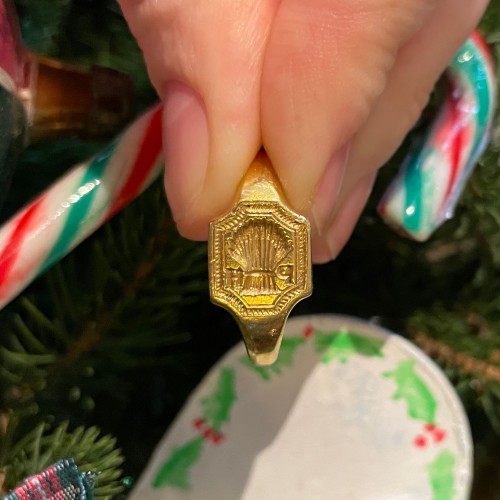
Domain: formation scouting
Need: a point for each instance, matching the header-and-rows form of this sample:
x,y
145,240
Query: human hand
x,y
329,87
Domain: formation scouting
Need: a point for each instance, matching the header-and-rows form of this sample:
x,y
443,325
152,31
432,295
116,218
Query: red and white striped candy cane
x,y
75,206
433,176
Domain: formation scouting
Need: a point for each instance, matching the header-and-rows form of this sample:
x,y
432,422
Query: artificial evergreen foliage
x,y
116,336
74,347
41,447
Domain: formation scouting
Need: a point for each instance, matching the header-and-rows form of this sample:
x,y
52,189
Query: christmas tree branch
x,y
42,446
95,329
486,371
120,314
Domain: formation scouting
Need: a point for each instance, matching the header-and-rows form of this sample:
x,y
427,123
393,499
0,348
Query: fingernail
x,y
328,188
342,226
320,252
186,144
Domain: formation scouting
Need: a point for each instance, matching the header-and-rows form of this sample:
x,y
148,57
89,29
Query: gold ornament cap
x,y
260,261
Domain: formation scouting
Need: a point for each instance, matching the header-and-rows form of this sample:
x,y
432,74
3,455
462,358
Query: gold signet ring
x,y
260,261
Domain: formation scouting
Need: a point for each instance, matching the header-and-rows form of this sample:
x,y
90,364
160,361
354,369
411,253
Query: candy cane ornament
x,y
75,206
426,190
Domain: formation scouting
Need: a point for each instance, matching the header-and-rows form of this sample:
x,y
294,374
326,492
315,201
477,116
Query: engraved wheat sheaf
x,y
259,247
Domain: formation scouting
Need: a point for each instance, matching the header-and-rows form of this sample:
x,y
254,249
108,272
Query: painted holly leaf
x,y
441,476
285,359
175,471
343,344
410,387
216,408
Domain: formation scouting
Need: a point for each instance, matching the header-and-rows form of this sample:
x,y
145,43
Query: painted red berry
x,y
198,423
439,435
308,331
217,437
420,441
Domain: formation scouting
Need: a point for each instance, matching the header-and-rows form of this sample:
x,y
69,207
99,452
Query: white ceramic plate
x,y
350,411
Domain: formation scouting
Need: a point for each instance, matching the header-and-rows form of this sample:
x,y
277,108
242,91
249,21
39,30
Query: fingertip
x,y
321,253
192,228
215,197
204,162
347,215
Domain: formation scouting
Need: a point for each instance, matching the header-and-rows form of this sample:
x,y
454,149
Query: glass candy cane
x,y
75,206
426,190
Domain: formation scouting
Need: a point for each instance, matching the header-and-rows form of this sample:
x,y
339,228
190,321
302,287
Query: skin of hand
x,y
330,88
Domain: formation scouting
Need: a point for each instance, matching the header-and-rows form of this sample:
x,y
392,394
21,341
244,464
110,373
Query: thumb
x,y
326,64
205,60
